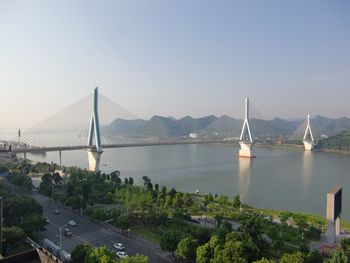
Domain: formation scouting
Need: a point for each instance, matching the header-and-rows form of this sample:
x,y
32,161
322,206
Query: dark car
x,y
56,211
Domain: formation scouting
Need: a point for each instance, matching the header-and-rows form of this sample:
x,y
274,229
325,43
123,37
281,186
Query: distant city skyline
x,y
175,58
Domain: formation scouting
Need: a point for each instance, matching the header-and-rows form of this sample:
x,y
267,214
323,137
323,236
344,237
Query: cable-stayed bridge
x,y
95,123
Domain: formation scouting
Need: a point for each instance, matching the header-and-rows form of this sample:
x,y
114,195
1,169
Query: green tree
x,y
168,201
297,257
342,254
265,260
124,223
223,200
80,252
214,242
100,255
46,185
115,179
13,235
21,180
163,192
314,257
24,212
203,254
172,193
218,218
57,178
186,248
236,202
233,251
156,187
169,240
178,200
109,198
206,200
135,259
146,181
252,238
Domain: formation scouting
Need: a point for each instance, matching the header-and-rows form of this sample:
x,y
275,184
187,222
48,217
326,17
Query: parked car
x,y
67,232
118,246
71,223
121,254
47,220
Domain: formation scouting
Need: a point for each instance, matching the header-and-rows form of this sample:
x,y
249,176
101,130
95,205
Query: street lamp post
x,y
60,230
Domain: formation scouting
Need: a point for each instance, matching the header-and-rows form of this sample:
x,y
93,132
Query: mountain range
x,y
159,127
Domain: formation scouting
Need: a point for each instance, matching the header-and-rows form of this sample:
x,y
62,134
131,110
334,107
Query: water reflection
x,y
244,176
307,169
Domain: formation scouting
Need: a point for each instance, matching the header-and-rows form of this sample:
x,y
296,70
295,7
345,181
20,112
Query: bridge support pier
x,y
308,139
246,150
246,139
94,157
94,152
60,157
309,146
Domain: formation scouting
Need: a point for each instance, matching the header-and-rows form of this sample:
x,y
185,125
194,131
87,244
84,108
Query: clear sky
x,y
175,58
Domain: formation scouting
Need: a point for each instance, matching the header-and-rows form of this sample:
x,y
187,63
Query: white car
x,y
121,254
71,223
118,246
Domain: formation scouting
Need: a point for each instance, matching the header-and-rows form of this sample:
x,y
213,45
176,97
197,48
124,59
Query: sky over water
x,y
175,57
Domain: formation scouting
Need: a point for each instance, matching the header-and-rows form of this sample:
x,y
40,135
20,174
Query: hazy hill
x,y
330,126
131,128
167,127
225,124
189,124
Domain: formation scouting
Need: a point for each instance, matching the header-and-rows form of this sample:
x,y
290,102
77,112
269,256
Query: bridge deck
x,y
106,146
140,144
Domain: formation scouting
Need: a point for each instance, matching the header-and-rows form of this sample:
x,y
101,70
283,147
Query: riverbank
x,y
167,216
300,147
281,146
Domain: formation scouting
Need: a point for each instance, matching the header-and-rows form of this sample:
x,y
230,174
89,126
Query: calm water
x,y
277,178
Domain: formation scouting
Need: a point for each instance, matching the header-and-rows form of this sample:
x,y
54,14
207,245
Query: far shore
x,y
300,147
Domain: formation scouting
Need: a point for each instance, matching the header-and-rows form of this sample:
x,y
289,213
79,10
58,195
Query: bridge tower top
x,y
94,128
246,127
308,139
308,130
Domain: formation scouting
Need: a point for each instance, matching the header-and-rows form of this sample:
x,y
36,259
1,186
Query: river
x,y
277,179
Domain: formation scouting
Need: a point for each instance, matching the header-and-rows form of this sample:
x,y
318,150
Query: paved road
x,y
89,232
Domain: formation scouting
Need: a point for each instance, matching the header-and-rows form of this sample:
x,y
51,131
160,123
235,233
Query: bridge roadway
x,y
138,144
106,146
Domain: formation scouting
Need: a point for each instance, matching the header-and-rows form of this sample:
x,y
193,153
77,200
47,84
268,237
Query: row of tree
x,y
168,210
22,217
89,254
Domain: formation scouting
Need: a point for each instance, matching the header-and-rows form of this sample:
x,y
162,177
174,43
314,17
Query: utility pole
x,y
60,230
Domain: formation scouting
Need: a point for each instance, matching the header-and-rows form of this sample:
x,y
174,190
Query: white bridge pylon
x,y
246,140
94,152
308,139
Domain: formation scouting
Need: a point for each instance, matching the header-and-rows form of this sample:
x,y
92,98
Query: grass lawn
x,y
147,232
